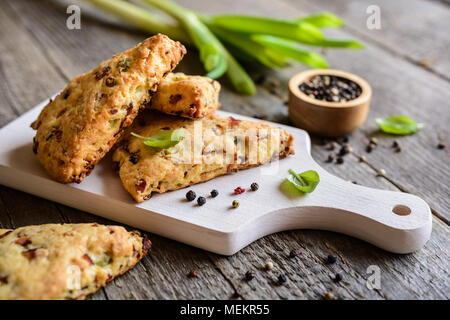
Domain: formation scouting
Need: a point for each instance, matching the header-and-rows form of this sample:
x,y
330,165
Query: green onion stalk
x,y
270,42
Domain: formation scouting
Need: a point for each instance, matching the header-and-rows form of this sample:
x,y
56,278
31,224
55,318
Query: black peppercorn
x,y
254,186
331,259
214,193
292,254
338,277
201,201
282,278
190,196
340,160
330,158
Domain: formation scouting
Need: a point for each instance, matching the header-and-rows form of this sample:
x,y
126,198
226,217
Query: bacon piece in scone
x,y
65,261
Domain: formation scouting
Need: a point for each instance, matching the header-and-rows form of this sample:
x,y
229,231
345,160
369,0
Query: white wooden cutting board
x,y
335,205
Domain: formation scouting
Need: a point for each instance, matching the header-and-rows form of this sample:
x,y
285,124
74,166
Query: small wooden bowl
x,y
330,119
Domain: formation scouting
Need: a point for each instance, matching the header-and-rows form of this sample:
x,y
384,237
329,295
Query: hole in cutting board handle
x,y
401,210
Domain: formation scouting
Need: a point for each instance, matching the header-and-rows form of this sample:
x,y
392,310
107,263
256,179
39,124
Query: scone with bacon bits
x,y
210,147
84,121
69,261
186,96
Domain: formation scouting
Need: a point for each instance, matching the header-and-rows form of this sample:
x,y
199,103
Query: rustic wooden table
x,y
407,63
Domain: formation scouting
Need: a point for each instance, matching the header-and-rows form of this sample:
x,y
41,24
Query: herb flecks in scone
x,y
84,121
211,147
186,96
66,261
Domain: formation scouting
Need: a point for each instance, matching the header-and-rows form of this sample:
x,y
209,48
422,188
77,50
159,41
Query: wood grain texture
x,y
58,54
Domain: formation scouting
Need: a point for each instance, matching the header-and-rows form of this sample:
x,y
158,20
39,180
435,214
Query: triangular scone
x,y
212,146
186,96
81,125
68,261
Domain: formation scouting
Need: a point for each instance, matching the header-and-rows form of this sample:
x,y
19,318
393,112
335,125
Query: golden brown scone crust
x,y
44,261
78,128
186,96
144,170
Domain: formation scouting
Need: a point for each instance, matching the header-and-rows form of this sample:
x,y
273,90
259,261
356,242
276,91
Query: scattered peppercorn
x,y
329,296
395,144
339,160
338,277
374,140
331,259
269,265
362,159
201,201
292,254
235,204
214,193
398,149
190,196
330,158
193,274
254,186
282,278
442,145
250,274
239,190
